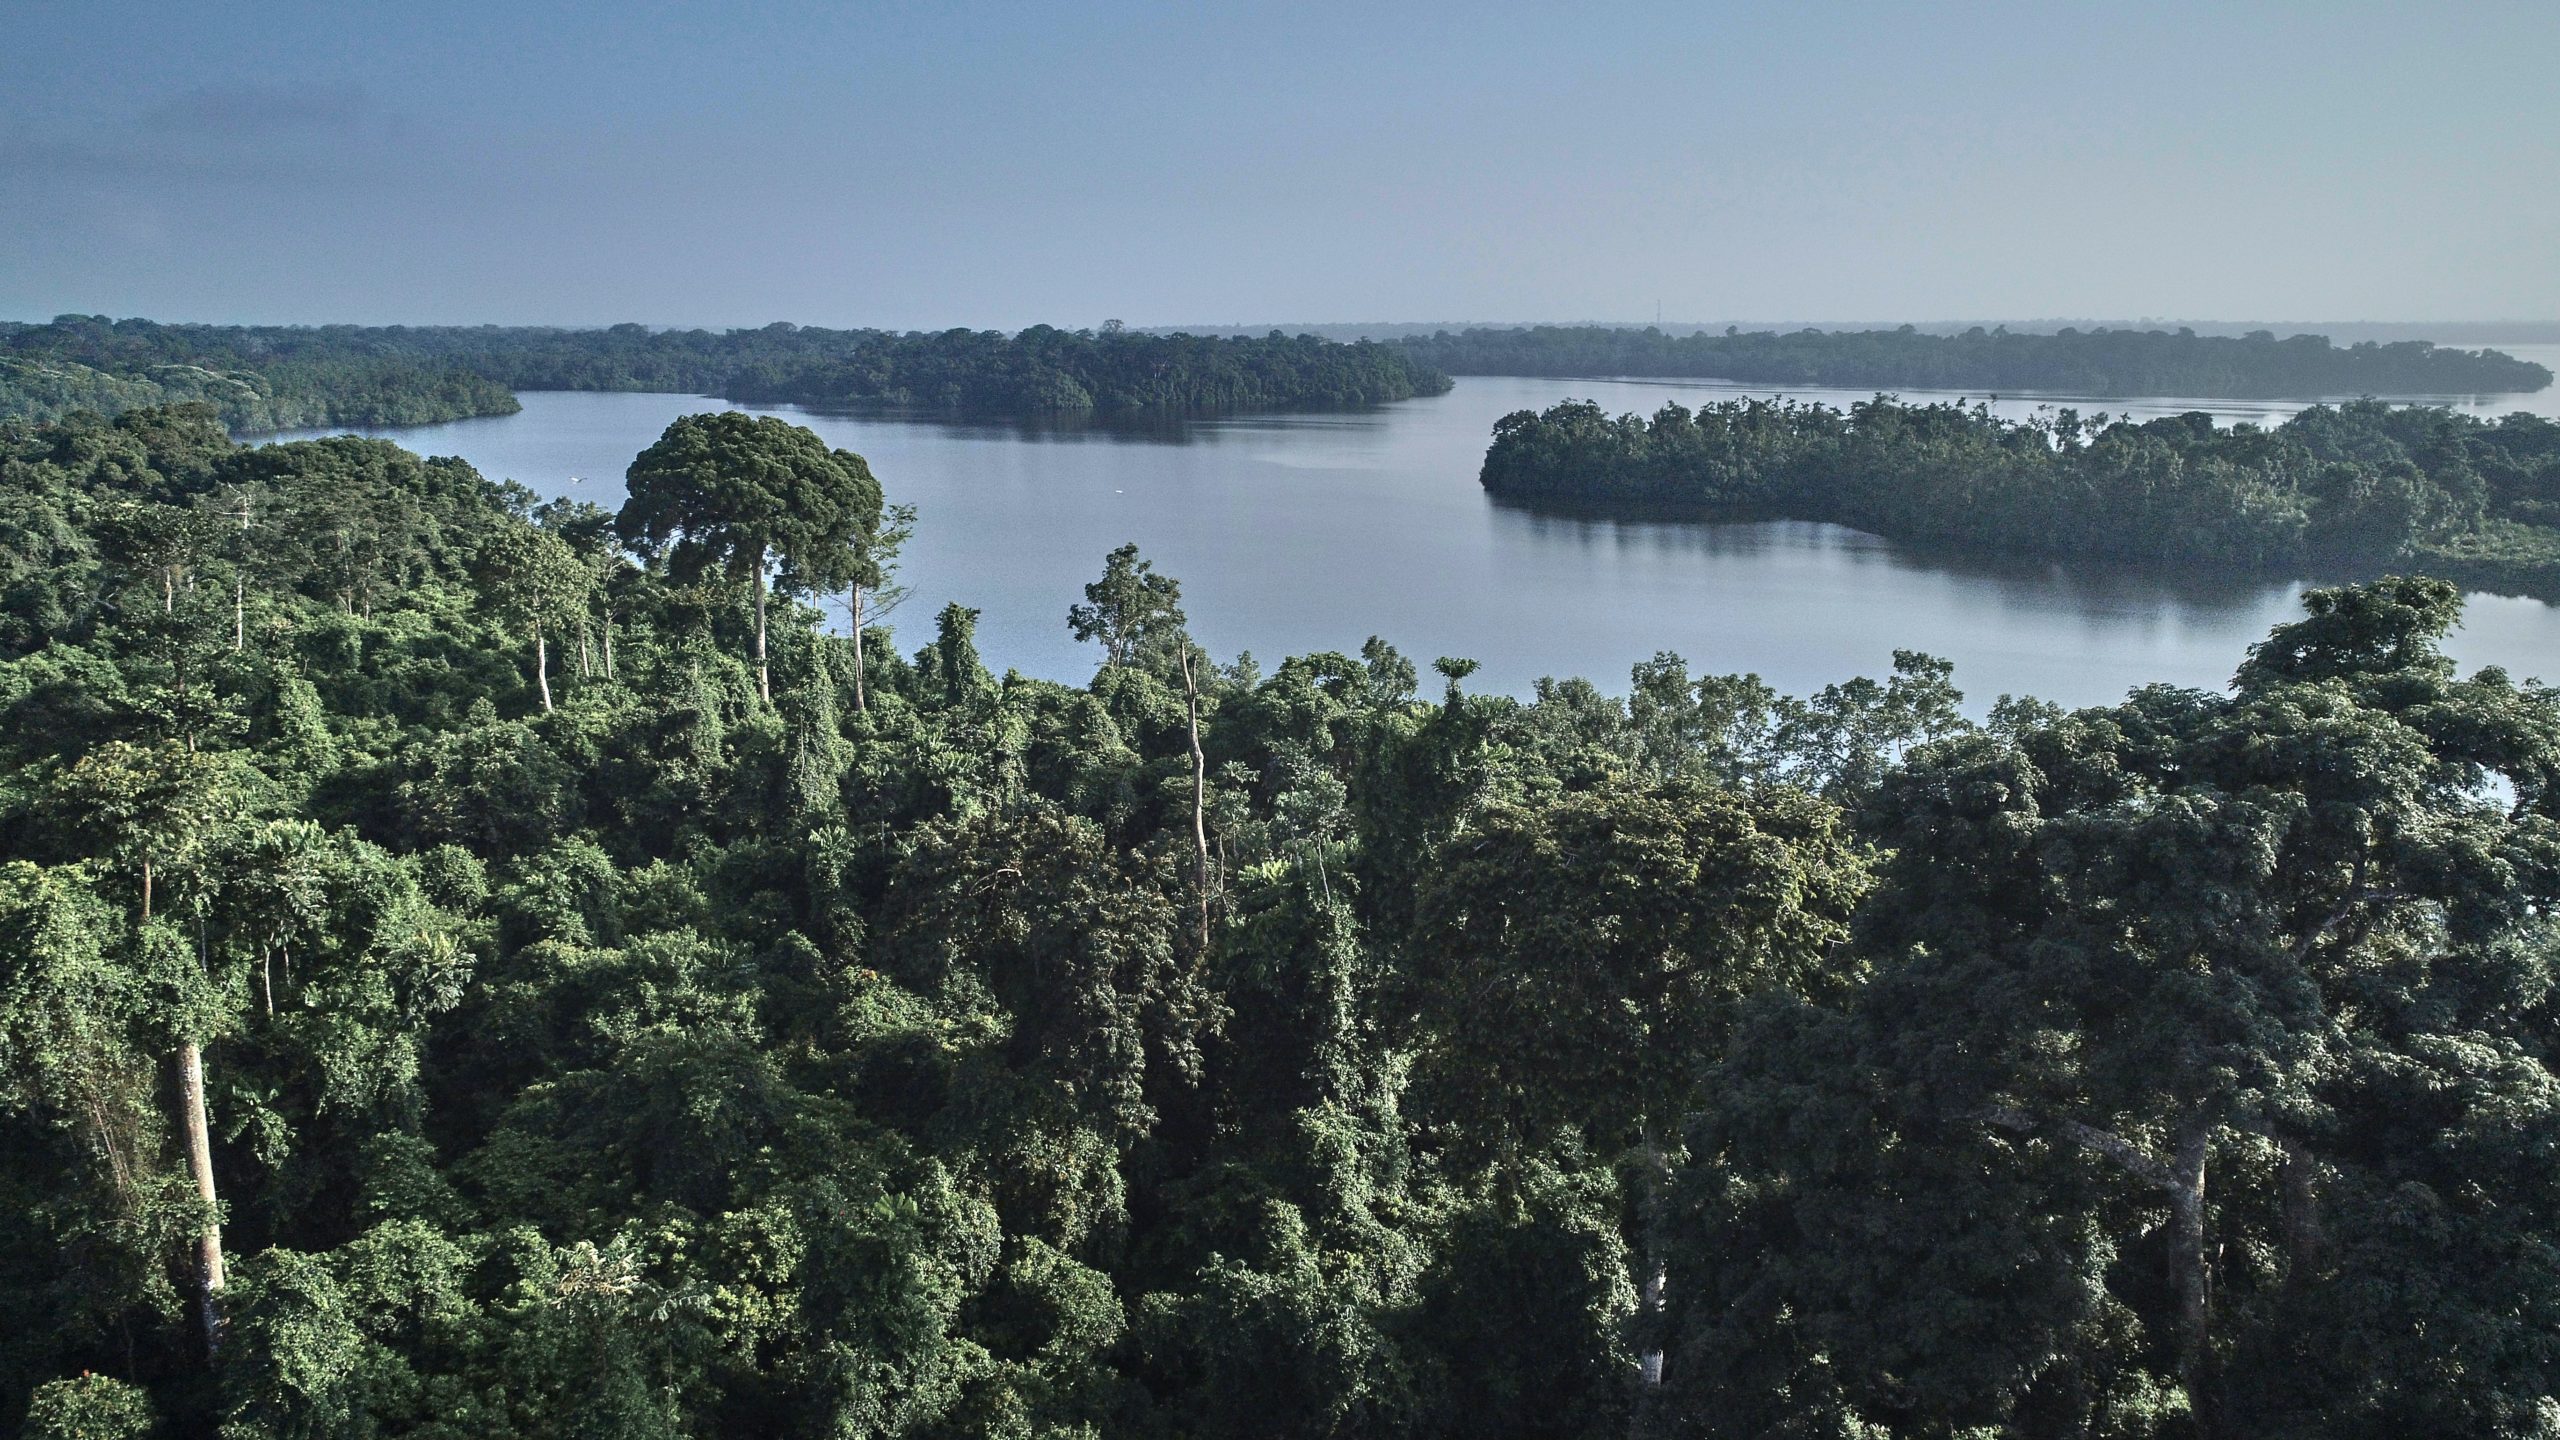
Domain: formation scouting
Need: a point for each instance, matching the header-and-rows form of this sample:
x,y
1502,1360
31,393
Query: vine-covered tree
x,y
744,494
1201,1050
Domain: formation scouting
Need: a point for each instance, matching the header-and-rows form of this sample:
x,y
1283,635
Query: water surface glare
x,y
1293,533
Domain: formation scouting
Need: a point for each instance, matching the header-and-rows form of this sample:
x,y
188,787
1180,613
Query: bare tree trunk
x,y
860,702
764,674
586,659
199,1138
2194,1275
608,645
209,1277
2303,1240
240,584
2181,1181
1199,794
542,668
1657,1173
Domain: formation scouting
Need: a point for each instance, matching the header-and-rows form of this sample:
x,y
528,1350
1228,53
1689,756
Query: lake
x,y
1303,532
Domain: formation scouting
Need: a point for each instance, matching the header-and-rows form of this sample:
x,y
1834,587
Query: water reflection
x,y
1141,429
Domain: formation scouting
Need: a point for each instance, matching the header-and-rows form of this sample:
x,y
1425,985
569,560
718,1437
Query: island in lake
x,y
2361,486
2096,362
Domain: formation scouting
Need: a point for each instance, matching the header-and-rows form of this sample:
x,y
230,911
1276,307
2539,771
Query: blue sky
x,y
974,164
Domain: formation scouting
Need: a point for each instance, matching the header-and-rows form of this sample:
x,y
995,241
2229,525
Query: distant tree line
x,y
87,363
483,970
2092,362
270,377
2360,486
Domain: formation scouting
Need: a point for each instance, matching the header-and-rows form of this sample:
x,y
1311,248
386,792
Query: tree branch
x,y
2128,1156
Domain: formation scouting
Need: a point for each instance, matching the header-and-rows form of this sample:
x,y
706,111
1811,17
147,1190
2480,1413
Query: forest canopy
x,y
2091,363
2358,487
281,377
487,969
277,377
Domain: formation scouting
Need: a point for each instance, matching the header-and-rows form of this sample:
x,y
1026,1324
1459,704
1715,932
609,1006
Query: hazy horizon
x,y
991,167
2450,332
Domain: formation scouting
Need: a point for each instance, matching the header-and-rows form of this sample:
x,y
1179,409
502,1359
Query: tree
x,y
350,516
875,578
739,493
588,530
1580,958
157,807
536,581
2165,973
860,562
162,544
1059,959
1579,963
92,1407
1129,610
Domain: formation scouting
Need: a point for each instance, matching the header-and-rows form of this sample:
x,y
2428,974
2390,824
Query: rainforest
x,y
480,967
280,377
2070,361
2363,485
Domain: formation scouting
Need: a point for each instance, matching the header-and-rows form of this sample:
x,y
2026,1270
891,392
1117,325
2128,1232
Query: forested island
x,y
472,967
2358,487
2071,362
278,377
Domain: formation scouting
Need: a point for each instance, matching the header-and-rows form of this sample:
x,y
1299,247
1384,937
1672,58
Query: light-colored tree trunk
x,y
861,702
209,1276
2194,1276
240,584
2304,1242
542,667
764,674
199,1141
608,645
1199,794
2180,1181
1657,1178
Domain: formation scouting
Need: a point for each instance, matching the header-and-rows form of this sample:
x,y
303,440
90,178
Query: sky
x,y
995,165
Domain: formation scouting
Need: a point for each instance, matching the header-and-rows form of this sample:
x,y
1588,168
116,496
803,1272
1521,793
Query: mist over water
x,y
1293,533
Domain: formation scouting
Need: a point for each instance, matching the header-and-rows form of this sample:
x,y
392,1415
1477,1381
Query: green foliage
x,y
93,1407
2362,486
666,1062
2131,1082
274,377
1579,959
1131,610
2074,362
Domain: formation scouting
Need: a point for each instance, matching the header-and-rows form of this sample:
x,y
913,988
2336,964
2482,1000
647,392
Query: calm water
x,y
1308,532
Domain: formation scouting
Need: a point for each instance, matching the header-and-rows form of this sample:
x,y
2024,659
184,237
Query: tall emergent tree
x,y
742,493
1130,607
538,584
156,808
859,561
